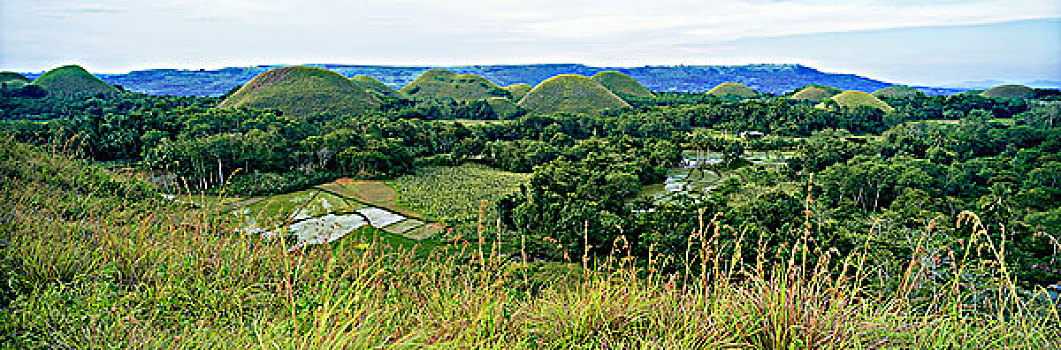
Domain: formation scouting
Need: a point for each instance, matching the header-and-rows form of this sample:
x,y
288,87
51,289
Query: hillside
x,y
815,93
898,92
72,79
444,84
374,85
621,84
853,99
769,78
302,91
733,90
503,107
518,90
571,93
13,79
1009,91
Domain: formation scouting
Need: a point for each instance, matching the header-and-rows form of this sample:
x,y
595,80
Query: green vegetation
x,y
518,90
571,93
151,274
732,91
1009,91
13,80
852,99
621,84
73,80
302,91
898,92
444,84
457,195
141,221
503,108
815,93
374,85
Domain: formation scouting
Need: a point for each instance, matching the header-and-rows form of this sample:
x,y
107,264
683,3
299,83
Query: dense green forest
x,y
841,180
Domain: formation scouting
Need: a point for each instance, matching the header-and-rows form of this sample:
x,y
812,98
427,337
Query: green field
x,y
453,194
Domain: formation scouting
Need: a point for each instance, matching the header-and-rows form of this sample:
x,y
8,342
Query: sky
x,y
923,42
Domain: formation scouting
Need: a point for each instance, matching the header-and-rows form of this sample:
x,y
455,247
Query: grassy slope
x,y
898,92
854,99
377,86
13,79
1009,91
503,107
518,90
443,84
73,79
733,90
302,91
813,93
84,264
570,93
621,84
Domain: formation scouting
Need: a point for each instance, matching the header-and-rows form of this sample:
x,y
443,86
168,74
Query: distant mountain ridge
x,y
769,78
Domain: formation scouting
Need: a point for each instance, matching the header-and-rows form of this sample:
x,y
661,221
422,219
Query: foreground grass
x,y
85,268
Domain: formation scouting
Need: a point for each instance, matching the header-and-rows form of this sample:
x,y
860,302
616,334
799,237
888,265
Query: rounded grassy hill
x,y
443,84
302,91
733,90
1009,91
815,93
571,93
373,85
72,79
621,84
852,99
13,79
518,90
898,92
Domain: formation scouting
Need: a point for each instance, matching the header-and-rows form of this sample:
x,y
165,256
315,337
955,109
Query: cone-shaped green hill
x,y
621,84
374,85
898,92
302,91
73,79
443,84
733,90
571,93
815,93
853,99
1009,91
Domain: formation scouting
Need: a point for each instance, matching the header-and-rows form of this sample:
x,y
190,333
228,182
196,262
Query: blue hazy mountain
x,y
771,78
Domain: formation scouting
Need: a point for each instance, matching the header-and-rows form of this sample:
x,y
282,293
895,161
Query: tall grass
x,y
155,274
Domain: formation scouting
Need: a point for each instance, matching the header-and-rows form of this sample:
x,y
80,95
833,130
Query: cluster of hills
x,y
65,80
305,90
767,78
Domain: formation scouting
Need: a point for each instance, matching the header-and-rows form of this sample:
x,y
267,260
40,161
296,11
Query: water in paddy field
x,y
692,176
